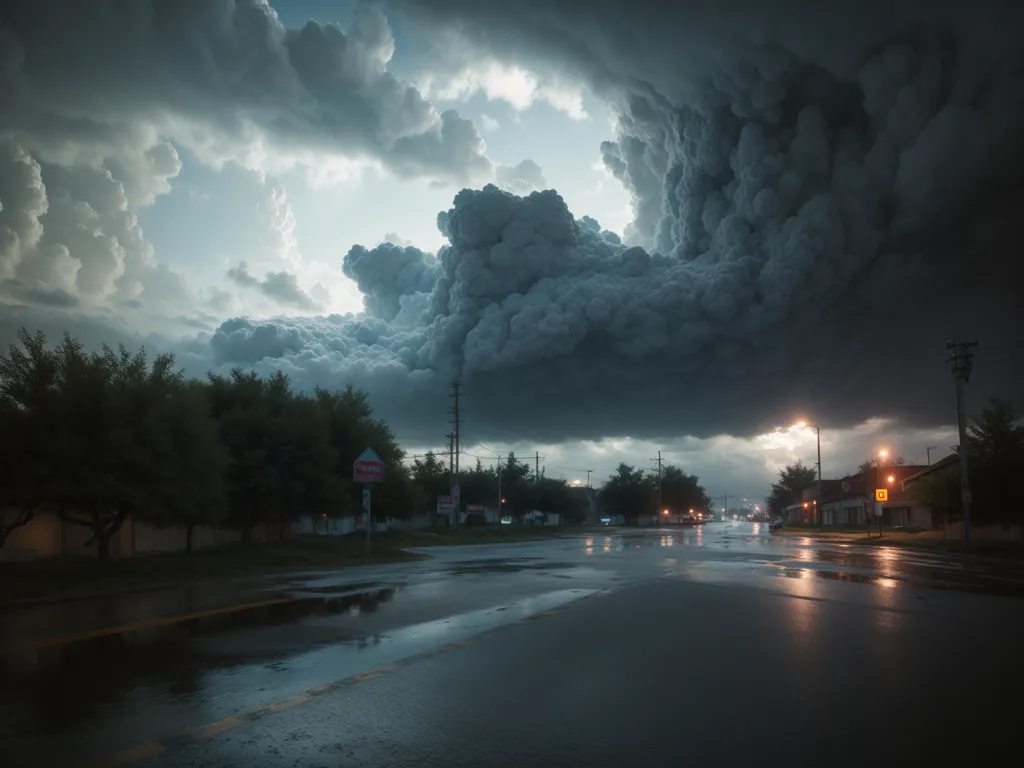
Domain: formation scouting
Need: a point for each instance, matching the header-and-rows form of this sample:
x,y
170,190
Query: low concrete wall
x,y
49,536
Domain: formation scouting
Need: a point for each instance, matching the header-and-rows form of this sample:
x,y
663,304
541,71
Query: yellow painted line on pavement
x,y
128,756
150,624
210,730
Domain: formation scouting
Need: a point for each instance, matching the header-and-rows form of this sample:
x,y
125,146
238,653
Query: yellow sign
x,y
881,494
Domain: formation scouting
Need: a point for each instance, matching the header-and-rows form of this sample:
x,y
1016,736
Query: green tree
x,y
681,492
793,481
479,485
516,490
28,387
194,491
629,492
995,445
353,428
432,478
111,451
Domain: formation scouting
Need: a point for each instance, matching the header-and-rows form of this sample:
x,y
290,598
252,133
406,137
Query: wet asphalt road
x,y
633,648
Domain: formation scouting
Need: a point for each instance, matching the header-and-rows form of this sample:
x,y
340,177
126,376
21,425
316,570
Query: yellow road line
x,y
210,730
150,624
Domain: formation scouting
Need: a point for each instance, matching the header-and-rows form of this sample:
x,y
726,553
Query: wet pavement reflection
x,y
298,631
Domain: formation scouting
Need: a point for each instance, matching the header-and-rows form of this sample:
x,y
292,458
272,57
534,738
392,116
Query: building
x,y
851,500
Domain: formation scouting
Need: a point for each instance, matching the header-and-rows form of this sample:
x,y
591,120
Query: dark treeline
x,y
521,490
96,437
632,492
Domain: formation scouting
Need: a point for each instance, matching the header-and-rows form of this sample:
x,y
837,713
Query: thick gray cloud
x,y
824,193
224,77
283,287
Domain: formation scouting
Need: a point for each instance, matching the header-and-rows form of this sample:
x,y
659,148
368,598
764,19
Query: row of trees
x,y
521,490
632,492
98,437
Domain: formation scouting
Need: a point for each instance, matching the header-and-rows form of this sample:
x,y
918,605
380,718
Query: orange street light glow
x,y
891,478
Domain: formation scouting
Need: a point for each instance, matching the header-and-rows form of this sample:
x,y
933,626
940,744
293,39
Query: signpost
x,y
881,494
368,469
444,507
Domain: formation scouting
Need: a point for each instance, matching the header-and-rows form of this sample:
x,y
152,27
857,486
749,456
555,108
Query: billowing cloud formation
x,y
521,179
225,78
68,237
821,194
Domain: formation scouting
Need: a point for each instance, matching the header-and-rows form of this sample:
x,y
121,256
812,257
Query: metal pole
x,y
369,516
499,495
878,508
960,361
821,510
657,514
965,486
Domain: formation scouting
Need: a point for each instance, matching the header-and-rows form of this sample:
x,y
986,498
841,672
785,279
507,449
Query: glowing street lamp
x,y
818,504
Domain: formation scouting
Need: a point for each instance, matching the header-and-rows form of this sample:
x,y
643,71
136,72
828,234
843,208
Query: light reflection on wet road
x,y
107,693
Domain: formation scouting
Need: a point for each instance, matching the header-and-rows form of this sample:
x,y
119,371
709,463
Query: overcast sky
x,y
705,222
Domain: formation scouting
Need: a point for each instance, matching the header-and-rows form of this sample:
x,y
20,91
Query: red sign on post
x,y
368,468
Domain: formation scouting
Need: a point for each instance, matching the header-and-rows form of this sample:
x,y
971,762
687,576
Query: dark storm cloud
x,y
224,76
824,193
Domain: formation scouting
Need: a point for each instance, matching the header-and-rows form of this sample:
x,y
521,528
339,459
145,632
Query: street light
x,y
883,454
821,509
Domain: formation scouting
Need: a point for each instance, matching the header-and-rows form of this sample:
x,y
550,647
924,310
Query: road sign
x,y
456,491
474,507
881,494
368,468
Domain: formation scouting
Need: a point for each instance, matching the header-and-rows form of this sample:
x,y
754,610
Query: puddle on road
x,y
146,684
981,586
504,566
343,589
100,669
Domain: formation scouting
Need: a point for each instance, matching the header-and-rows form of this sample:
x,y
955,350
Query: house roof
x,y
946,461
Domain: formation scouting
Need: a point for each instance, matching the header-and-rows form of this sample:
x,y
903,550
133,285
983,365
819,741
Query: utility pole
x,y
457,449
451,457
960,363
498,472
929,450
657,512
536,468
590,511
